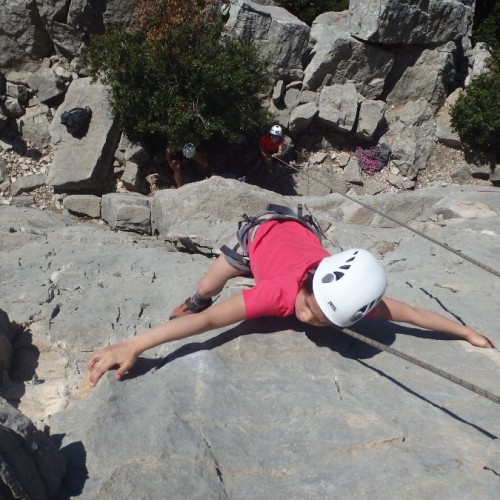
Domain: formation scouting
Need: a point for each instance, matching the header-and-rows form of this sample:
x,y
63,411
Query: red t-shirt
x,y
268,145
280,256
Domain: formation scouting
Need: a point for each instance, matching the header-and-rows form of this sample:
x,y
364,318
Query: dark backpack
x,y
77,121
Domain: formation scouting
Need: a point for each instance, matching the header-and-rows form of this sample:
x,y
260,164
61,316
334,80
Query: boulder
x,y
371,117
83,204
338,58
83,163
278,35
127,211
34,126
411,137
424,74
45,84
27,183
338,107
24,42
445,132
301,117
478,62
414,23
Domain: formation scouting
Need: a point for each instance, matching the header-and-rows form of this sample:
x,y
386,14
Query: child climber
x,y
293,274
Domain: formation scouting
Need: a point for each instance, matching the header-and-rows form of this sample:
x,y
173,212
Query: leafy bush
x,y
476,114
178,76
487,23
308,10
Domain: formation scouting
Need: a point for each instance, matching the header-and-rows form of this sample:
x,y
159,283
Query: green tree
x,y
476,114
180,78
487,23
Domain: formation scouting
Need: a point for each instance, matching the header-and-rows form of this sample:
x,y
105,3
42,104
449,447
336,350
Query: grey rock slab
x,y
194,211
338,58
86,162
83,204
338,107
69,270
285,413
27,183
268,408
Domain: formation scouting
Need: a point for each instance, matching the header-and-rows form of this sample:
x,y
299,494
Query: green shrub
x,y
187,83
487,23
308,10
476,114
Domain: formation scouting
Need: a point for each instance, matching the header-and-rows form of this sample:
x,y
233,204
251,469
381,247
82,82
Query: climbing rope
x,y
382,347
398,222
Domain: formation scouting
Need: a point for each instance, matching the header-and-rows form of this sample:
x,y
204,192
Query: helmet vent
x,y
335,276
351,259
345,267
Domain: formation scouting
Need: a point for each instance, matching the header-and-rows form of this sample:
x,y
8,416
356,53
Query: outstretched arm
x,y
394,310
124,354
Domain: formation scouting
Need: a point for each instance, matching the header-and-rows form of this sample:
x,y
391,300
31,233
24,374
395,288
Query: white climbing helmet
x,y
276,130
348,285
188,150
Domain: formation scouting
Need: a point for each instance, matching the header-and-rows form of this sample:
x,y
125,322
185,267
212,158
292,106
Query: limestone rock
x,y
396,22
83,163
312,400
338,58
279,36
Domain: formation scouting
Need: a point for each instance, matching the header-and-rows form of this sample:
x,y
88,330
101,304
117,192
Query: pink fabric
x,y
280,256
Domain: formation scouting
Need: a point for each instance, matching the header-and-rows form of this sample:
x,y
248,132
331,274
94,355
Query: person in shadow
x,y
181,163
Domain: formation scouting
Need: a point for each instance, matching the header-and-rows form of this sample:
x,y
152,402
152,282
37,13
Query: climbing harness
x,y
239,252
400,223
382,347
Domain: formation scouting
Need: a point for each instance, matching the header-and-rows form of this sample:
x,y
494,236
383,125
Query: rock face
x,y
338,58
83,163
394,21
392,52
280,36
31,466
269,405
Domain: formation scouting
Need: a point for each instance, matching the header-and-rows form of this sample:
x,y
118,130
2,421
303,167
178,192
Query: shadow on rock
x,y
23,365
379,330
385,333
254,326
76,468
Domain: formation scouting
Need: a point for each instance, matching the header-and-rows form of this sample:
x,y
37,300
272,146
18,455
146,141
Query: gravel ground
x,y
21,160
